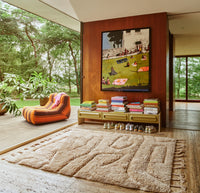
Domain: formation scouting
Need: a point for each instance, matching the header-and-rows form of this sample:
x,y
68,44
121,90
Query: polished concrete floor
x,y
185,116
14,131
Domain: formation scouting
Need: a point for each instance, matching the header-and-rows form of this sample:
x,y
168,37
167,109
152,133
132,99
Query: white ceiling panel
x,y
188,24
184,15
91,10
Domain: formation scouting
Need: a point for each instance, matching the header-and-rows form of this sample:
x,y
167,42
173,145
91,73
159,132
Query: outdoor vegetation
x,y
37,57
191,80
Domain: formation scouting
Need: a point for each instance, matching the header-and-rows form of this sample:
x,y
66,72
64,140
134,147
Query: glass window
x,y
193,78
180,78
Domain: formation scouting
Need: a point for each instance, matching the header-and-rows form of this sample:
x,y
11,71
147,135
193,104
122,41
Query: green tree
x,y
30,28
63,44
194,77
29,43
10,36
116,38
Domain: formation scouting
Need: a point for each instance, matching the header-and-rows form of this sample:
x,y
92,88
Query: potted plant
x,y
40,87
7,104
3,110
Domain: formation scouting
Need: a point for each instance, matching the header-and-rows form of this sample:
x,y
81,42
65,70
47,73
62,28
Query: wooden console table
x,y
120,117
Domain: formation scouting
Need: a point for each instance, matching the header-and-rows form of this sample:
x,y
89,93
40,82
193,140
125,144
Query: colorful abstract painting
x,y
126,60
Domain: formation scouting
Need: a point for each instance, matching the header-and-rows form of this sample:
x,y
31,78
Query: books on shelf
x,y
119,109
151,106
133,104
154,102
88,106
148,110
133,112
103,105
119,98
118,103
103,101
135,107
103,110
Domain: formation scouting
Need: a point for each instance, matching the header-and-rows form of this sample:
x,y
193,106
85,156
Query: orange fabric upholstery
x,y
45,114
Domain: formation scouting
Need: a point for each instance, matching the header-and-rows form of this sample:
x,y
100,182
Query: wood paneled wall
x,y
171,73
91,57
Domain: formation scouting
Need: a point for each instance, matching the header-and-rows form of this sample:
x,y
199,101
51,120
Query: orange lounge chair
x,y
46,114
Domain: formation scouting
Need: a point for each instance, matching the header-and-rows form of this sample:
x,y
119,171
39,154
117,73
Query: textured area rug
x,y
128,160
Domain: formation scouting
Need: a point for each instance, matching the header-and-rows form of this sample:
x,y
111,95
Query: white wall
x,y
187,45
129,39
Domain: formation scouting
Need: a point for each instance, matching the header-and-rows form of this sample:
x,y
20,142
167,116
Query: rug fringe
x,y
178,181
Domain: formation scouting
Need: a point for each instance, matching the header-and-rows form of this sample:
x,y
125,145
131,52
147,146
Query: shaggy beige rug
x,y
128,160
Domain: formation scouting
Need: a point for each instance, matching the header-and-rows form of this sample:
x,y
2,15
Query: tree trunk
x,y
76,69
1,75
50,65
33,45
68,71
179,78
69,81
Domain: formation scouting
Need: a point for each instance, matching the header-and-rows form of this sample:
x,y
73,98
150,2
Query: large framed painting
x,y
125,60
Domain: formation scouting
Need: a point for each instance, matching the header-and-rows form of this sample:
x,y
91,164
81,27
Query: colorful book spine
x,y
136,110
88,106
103,101
103,105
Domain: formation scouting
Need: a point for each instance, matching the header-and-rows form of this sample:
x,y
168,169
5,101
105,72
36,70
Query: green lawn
x,y
75,101
29,102
34,102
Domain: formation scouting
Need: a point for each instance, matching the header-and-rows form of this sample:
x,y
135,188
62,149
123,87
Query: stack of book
x,y
118,103
151,106
135,107
88,106
103,105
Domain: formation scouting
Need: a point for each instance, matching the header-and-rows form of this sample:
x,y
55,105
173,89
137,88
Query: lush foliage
x,y
40,86
6,101
10,105
29,43
15,85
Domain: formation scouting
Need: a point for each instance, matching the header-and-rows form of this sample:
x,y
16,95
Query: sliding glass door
x,y
187,78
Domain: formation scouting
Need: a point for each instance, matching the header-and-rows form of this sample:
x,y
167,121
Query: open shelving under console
x,y
120,116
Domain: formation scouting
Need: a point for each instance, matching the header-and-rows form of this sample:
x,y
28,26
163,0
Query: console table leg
x,y
80,121
159,124
159,127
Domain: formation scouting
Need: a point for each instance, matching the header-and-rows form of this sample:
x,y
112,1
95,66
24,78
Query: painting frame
x,y
126,60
